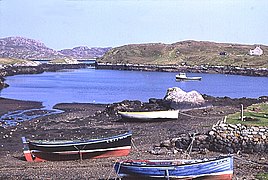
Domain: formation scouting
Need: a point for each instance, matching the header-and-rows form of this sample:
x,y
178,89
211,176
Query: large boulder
x,y
2,83
180,99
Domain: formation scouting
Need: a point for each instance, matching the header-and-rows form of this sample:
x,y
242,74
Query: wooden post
x,y
242,113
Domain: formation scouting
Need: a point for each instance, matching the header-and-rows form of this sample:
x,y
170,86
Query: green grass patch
x,y
262,176
256,114
10,61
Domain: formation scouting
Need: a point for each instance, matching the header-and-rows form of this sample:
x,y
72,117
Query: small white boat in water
x,y
151,115
183,77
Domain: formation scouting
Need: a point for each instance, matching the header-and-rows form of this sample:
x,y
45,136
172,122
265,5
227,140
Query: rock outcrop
x,y
2,83
64,61
84,52
25,48
180,99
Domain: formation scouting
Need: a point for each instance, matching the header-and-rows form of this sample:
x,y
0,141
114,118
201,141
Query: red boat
x,y
41,150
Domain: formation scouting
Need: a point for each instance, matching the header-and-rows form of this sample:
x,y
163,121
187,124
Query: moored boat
x,y
220,168
150,115
41,150
183,77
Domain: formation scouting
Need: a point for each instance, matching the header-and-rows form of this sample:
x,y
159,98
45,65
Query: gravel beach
x,y
86,121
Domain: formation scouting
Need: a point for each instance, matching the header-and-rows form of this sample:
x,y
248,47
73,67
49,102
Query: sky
x,y
61,24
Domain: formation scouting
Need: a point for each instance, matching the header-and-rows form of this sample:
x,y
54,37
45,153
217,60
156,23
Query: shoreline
x,y
232,70
7,105
86,120
16,70
89,120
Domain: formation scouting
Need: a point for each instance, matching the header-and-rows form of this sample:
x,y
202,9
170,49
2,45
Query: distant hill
x,y
84,52
25,48
187,53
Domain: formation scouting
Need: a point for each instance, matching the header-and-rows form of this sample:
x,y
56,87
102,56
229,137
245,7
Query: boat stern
x,y
26,150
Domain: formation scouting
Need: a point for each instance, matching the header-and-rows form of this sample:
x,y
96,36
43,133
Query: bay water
x,y
109,86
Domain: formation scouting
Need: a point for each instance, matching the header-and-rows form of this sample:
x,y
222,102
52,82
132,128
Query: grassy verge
x,y
10,61
256,114
262,176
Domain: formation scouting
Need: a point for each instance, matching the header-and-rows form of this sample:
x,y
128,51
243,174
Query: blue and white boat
x,y
220,168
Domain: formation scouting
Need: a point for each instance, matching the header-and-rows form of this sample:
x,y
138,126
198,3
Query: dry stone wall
x,y
226,138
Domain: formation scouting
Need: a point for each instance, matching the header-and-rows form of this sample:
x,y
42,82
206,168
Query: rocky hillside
x,y
84,52
187,53
24,48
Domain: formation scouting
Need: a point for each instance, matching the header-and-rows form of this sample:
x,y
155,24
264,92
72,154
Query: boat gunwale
x,y
145,165
150,115
146,112
229,172
70,143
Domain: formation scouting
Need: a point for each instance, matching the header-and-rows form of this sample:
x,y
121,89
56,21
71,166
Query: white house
x,y
256,52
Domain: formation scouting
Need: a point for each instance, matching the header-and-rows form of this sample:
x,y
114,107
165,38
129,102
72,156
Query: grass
x,y
258,112
190,52
63,61
10,61
262,176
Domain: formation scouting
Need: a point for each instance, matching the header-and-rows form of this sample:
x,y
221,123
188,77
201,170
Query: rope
x,y
251,162
190,147
134,147
79,151
112,171
198,116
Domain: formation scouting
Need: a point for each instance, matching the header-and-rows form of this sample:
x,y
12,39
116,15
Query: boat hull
x,y
147,116
107,147
189,79
220,168
183,77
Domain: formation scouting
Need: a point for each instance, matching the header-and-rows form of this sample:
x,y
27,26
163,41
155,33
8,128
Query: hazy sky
x,y
101,23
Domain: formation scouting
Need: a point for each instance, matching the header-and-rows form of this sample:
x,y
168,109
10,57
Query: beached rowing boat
x,y
150,115
211,168
41,150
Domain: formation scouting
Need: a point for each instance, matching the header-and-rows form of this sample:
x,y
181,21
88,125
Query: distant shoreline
x,y
15,70
263,72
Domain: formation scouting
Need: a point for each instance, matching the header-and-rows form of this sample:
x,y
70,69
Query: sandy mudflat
x,y
87,121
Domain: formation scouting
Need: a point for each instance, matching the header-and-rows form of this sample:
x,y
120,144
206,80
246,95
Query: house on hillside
x,y
256,52
223,53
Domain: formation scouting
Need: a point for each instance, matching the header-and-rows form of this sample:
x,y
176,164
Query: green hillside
x,y
187,53
18,62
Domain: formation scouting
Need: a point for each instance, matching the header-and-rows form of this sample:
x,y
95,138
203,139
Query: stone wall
x,y
233,138
226,138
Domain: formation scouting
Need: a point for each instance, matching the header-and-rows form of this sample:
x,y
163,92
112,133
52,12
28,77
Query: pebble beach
x,y
87,121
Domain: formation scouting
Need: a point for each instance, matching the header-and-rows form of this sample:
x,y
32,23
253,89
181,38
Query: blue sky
x,y
109,23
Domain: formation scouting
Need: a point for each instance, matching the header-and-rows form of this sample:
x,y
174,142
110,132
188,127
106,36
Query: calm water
x,y
108,86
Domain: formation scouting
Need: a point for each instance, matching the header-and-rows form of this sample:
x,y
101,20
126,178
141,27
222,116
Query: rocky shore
x,y
15,70
86,121
83,121
193,69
